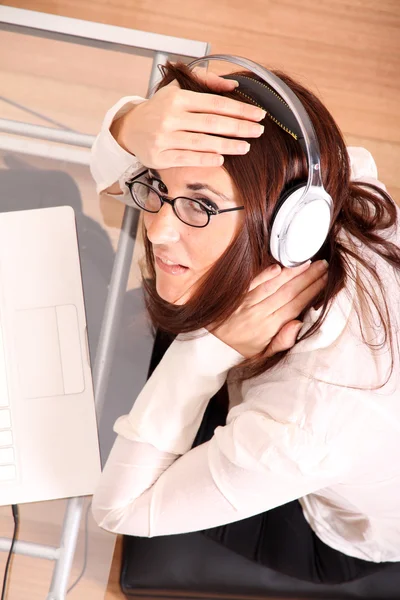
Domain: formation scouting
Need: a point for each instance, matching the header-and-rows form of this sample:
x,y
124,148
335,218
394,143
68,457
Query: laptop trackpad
x,y
49,351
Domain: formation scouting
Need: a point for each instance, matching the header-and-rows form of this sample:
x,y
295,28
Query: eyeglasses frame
x,y
171,201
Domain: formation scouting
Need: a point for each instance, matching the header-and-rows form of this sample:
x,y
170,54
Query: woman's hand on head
x,y
170,129
267,318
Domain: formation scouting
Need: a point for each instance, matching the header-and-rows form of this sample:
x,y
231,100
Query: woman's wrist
x,y
121,130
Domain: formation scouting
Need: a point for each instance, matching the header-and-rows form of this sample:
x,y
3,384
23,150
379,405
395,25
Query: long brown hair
x,y
274,163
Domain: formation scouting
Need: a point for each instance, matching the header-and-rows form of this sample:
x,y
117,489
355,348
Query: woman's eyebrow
x,y
195,186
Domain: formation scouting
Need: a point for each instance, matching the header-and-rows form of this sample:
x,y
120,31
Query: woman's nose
x,y
162,227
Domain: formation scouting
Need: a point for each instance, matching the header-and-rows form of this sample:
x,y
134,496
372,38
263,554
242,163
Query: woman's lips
x,y
171,269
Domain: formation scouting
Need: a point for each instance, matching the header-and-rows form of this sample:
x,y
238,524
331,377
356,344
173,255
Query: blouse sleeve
x,y
155,484
109,162
363,166
252,464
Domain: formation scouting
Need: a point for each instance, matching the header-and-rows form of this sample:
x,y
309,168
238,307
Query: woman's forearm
x,y
169,409
111,158
118,131
161,426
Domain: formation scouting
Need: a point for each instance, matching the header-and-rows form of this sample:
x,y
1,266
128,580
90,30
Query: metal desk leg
x,y
69,536
113,308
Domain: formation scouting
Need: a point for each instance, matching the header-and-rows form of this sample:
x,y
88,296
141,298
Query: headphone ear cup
x,y
300,224
282,199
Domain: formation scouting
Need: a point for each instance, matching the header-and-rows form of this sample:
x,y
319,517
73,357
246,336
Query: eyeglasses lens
x,y
189,211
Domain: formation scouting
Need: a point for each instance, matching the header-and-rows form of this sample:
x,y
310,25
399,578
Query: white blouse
x,y
294,432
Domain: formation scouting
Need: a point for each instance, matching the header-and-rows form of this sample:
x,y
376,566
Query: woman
x,y
305,457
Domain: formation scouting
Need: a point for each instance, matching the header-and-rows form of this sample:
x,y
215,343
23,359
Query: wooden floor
x,y
113,590
347,51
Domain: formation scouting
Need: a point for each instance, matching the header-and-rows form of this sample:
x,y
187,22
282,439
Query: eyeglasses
x,y
195,213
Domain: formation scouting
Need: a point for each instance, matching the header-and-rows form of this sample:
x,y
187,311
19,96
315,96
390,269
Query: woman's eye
x,y
164,190
151,181
195,206
208,204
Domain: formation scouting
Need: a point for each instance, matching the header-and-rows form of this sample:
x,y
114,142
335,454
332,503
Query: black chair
x,y
193,566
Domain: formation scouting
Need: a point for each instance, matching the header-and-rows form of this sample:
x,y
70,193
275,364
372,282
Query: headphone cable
x,y
15,513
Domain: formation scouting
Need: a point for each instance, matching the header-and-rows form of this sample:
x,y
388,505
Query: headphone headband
x,y
308,136
302,222
266,98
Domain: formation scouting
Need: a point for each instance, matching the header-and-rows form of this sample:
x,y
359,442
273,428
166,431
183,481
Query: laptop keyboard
x,y
8,469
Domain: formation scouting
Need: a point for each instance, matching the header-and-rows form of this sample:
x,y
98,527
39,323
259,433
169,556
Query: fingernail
x,y
258,114
324,264
276,269
236,84
299,328
243,147
304,265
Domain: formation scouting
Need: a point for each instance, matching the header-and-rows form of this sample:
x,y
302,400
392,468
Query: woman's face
x,y
197,249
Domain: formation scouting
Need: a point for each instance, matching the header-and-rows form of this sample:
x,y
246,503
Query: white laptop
x,y
48,435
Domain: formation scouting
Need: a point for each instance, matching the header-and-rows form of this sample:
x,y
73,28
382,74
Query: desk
x,y
54,79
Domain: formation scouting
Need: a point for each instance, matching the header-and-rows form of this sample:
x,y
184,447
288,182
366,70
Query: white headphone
x,y
303,214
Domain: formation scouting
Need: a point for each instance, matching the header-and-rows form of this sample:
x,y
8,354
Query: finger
x,y
220,105
295,307
292,289
285,275
214,81
288,285
185,140
285,339
221,85
266,275
217,124
180,158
